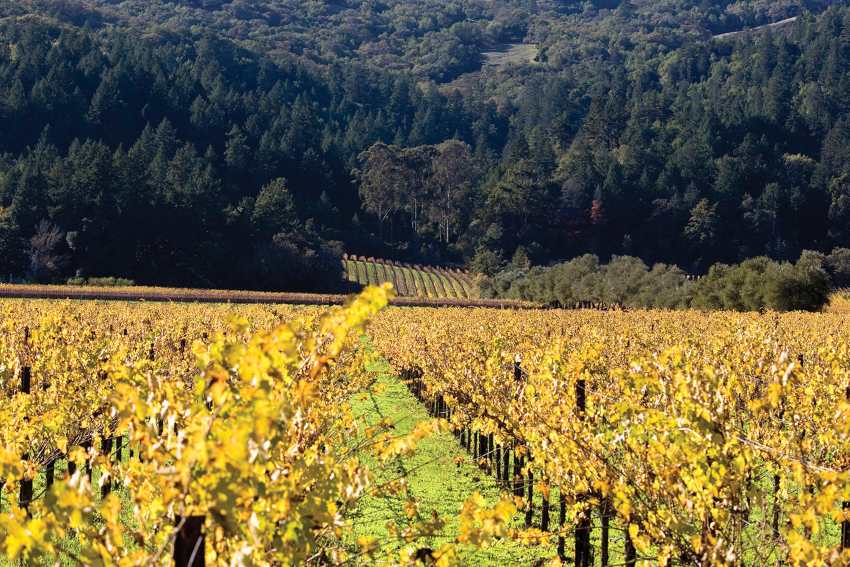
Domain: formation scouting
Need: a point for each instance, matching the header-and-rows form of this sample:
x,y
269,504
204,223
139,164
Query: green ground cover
x,y
441,476
362,276
456,286
399,281
411,282
438,284
372,274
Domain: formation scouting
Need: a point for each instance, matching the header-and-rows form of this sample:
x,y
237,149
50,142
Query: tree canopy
x,y
203,143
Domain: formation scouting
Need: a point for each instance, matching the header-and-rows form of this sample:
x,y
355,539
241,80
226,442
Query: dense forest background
x,y
249,143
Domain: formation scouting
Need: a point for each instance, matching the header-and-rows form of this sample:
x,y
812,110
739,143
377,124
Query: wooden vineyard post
x,y
482,449
26,379
845,523
479,448
506,465
562,519
189,542
630,551
25,495
544,510
50,473
605,513
529,506
519,461
491,453
87,448
106,449
519,481
583,524
776,486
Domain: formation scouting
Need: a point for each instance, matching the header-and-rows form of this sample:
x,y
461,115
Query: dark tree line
x,y
626,282
190,162
185,158
714,152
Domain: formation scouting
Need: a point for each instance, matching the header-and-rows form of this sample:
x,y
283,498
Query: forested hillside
x,y
432,39
248,144
188,161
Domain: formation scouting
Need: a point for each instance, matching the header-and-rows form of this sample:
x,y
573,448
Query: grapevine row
x,y
708,438
212,434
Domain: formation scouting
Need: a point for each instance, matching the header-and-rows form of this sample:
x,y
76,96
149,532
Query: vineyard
x,y
410,280
649,436
232,434
188,295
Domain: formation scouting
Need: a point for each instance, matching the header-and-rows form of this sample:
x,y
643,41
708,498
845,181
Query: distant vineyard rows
x,y
411,280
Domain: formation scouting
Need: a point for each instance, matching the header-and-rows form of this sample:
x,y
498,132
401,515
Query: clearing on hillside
x,y
511,53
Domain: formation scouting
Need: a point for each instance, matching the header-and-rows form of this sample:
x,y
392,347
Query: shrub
x,y
486,262
753,285
760,283
838,265
625,281
101,282
805,286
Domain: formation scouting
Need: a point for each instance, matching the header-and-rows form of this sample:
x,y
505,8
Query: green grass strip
x,y
437,283
437,481
456,285
381,271
447,284
412,286
372,274
427,284
421,290
351,271
362,276
443,284
469,286
389,272
399,282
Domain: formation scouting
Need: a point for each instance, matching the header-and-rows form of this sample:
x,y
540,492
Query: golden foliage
x,y
249,428
688,419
